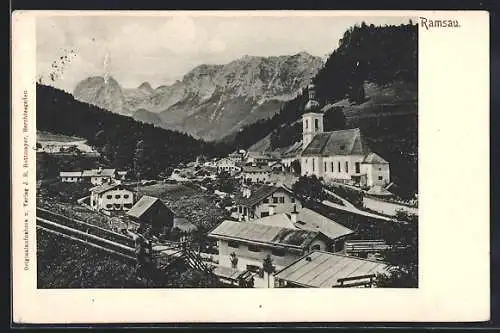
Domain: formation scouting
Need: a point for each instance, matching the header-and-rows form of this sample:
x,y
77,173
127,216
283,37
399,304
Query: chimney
x,y
293,216
271,209
248,193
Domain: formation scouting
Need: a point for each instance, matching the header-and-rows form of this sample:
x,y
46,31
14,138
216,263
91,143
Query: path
x,y
344,201
355,210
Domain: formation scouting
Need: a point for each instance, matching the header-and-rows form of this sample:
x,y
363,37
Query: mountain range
x,y
210,101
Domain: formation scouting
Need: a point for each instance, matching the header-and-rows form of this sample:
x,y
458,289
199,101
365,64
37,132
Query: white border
x,y
454,204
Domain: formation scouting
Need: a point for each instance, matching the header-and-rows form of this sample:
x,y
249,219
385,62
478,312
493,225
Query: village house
x,y
339,155
70,176
99,176
151,211
111,197
251,243
265,201
255,174
227,165
257,158
307,219
236,157
320,269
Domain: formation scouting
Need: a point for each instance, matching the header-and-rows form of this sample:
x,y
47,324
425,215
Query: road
x,y
354,210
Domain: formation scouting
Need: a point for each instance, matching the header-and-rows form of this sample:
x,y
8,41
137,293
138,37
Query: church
x,y
342,155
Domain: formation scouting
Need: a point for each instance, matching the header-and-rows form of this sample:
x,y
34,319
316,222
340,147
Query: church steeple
x,y
312,120
312,104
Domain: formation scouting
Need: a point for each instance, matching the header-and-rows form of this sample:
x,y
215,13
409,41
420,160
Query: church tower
x,y
312,119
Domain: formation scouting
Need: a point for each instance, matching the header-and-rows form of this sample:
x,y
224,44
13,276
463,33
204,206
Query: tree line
x,y
117,137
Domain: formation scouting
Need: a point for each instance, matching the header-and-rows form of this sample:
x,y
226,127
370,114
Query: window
x,y
346,166
332,167
253,248
316,124
313,164
126,196
108,206
127,206
338,166
282,200
266,200
307,124
316,247
233,244
325,167
379,169
118,196
109,196
275,200
379,177
342,147
356,165
278,252
264,214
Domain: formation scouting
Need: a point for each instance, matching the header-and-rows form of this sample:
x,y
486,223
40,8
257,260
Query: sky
x,y
161,49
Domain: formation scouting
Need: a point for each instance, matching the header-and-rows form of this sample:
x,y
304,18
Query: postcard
x,y
237,166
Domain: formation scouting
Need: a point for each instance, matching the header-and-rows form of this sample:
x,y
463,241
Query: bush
x,y
309,187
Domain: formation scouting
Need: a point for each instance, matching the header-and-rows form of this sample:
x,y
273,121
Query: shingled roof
x,y
320,269
343,142
260,194
264,234
142,206
104,188
311,220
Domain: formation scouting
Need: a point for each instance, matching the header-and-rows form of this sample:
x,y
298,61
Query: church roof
x,y
343,142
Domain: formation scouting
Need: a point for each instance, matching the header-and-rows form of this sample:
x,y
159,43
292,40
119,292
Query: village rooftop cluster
x,y
269,222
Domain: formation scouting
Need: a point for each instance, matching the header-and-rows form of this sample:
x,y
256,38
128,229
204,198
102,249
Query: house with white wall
x,y
266,200
99,176
252,242
227,165
111,197
70,176
255,174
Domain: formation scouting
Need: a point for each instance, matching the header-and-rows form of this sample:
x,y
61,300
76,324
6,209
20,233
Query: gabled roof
x,y
324,269
343,142
104,188
262,193
281,220
264,234
70,174
142,206
98,173
311,220
373,158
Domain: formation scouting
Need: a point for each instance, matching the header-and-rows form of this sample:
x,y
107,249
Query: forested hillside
x,y
120,139
382,55
370,81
